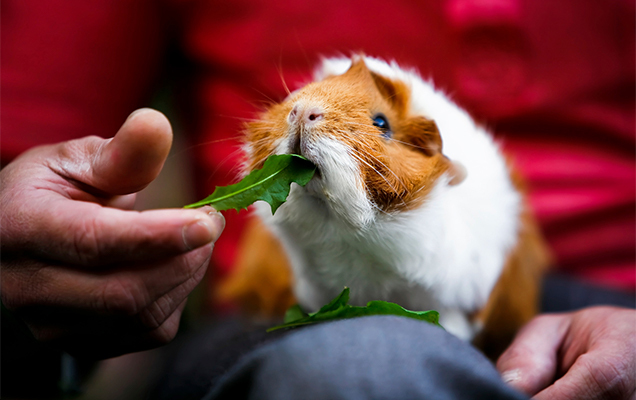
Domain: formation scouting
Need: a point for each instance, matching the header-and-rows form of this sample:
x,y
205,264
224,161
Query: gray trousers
x,y
365,358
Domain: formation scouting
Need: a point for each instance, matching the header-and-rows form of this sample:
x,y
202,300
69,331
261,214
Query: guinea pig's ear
x,y
358,67
394,92
457,172
423,134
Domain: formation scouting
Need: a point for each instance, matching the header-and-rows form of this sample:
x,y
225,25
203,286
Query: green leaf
x,y
339,302
270,183
339,308
294,313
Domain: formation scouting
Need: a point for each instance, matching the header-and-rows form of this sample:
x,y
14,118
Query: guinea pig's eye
x,y
382,123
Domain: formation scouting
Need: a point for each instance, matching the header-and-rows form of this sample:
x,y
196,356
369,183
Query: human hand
x,y
83,271
588,354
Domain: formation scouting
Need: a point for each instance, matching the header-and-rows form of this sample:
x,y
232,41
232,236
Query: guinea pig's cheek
x,y
338,168
281,146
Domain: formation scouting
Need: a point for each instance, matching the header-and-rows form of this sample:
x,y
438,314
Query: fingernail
x,y
511,376
220,219
197,233
216,216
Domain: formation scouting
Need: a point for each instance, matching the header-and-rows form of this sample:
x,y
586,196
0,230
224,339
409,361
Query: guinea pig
x,y
412,202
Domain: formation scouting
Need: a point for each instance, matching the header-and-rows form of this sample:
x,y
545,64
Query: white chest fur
x,y
446,254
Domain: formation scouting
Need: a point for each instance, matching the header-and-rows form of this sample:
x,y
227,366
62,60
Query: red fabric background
x,y
553,80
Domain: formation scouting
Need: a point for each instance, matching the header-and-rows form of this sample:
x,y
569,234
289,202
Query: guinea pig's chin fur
x,y
314,202
340,185
324,200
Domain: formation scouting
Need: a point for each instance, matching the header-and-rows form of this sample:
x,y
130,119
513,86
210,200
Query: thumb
x,y
134,157
530,363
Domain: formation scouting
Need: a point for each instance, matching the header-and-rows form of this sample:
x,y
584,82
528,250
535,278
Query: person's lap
x,y
372,357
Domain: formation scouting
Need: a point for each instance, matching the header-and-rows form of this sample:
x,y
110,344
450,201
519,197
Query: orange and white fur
x,y
422,211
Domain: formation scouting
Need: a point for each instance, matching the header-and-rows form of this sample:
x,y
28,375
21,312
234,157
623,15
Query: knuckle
x,y
163,308
70,149
189,266
192,262
86,246
606,377
595,383
156,314
22,286
121,296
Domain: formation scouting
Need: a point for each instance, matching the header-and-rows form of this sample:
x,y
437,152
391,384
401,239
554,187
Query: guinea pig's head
x,y
372,155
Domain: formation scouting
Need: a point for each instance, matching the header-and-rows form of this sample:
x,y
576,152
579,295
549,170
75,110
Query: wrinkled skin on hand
x,y
588,354
81,269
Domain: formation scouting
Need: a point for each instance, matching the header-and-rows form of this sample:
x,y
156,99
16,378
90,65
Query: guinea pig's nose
x,y
306,115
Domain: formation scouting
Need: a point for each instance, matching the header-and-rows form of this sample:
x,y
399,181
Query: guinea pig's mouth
x,y
318,173
296,148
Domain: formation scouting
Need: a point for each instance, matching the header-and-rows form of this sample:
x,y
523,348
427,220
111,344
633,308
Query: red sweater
x,y
554,80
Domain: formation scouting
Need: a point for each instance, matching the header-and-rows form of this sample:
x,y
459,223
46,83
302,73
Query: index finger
x,y
83,233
